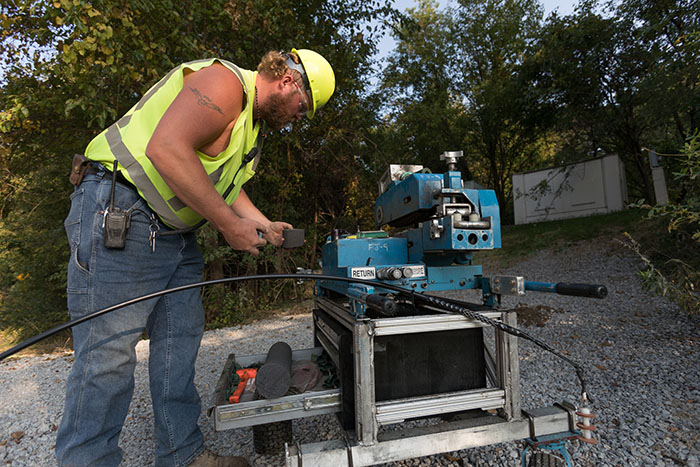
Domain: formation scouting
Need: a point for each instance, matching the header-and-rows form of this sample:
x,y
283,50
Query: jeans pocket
x,y
72,221
77,288
78,265
80,251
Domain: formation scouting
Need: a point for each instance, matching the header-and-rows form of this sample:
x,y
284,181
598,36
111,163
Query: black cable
x,y
61,327
453,306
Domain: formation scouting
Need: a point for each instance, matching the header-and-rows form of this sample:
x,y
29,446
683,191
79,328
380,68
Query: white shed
x,y
595,186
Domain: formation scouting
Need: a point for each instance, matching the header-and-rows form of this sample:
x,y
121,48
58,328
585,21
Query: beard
x,y
273,111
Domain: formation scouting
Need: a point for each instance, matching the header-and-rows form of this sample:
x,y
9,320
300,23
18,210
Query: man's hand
x,y
243,235
274,232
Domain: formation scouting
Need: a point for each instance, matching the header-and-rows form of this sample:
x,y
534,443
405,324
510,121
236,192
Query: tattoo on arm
x,y
205,101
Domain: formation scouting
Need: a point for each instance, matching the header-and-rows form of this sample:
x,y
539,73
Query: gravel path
x,y
642,355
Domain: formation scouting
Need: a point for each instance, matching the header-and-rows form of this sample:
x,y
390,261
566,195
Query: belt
x,y
93,169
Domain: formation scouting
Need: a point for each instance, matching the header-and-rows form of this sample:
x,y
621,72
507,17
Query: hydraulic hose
x,y
61,327
451,306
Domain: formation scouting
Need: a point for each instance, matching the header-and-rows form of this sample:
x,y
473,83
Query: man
x,y
182,155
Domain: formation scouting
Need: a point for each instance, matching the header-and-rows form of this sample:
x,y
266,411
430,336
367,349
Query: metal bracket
x,y
508,285
396,173
531,423
302,271
351,463
570,409
435,229
450,158
299,455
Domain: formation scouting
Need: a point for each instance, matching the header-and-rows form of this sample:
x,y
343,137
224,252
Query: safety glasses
x,y
303,105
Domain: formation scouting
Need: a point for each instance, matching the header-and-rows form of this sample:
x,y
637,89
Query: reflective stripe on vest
x,y
126,141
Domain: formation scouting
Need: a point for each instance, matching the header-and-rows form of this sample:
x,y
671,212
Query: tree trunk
x,y
314,236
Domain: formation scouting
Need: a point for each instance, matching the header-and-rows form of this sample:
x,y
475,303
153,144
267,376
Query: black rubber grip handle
x,y
582,290
385,305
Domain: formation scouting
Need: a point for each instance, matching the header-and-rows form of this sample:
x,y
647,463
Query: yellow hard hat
x,y
318,77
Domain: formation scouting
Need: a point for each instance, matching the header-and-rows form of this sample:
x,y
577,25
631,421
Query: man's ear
x,y
286,80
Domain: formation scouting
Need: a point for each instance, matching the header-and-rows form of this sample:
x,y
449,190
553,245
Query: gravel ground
x,y
641,353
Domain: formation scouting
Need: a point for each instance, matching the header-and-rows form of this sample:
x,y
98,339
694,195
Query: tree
x,y
505,117
74,66
425,116
71,68
456,82
616,86
673,28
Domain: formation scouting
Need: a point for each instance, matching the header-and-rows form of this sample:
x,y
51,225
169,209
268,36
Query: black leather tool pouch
x,y
78,169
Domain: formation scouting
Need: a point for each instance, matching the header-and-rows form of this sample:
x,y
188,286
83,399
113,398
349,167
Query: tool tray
x,y
316,401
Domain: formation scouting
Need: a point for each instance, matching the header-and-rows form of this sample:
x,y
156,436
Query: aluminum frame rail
x,y
428,440
370,415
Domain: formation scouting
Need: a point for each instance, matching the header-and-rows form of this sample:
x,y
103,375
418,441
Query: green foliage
x,y
597,67
675,279
71,67
457,81
672,264
424,116
504,113
229,304
621,80
671,29
683,215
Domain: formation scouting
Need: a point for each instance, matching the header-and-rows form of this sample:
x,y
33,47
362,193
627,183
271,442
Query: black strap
x,y
94,168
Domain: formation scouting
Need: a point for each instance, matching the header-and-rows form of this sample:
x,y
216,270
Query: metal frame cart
x,y
403,354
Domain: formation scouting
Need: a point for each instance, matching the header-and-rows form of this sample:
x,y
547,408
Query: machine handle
x,y
385,305
582,290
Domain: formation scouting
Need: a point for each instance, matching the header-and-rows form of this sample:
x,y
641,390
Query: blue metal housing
x,y
421,198
445,221
348,252
413,196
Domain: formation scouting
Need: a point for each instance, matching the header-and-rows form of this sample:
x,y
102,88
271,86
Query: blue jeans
x,y
101,382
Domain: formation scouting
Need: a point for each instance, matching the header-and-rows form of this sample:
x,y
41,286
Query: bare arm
x,y
211,99
245,208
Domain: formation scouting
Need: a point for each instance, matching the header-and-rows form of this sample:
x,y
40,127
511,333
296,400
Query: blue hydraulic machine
x,y
403,350
444,221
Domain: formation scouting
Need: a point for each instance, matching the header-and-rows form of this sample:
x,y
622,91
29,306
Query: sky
x,y
565,6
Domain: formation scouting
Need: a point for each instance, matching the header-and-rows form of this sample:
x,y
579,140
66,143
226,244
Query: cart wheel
x,y
270,437
544,459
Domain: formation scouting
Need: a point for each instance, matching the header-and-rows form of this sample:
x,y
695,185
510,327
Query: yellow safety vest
x,y
126,141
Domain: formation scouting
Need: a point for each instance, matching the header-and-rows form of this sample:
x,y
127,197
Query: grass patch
x,y
519,242
61,342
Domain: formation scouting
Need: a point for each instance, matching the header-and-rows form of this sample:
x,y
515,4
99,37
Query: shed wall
x,y
596,186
